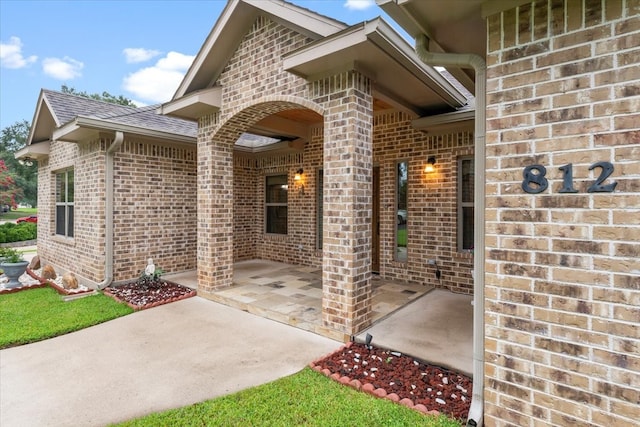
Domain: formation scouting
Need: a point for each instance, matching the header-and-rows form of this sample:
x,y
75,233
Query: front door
x,y
375,222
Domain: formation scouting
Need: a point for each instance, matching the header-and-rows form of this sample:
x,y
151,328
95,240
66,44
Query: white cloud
x,y
359,4
62,69
159,83
11,54
139,54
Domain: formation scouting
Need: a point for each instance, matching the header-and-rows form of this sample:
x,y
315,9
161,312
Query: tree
x,y
106,96
14,137
9,190
25,177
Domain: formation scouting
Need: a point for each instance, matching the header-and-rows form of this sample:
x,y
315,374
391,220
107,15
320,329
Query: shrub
x,y
11,232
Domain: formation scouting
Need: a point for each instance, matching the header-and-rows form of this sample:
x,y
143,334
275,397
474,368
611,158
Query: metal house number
x,y
535,181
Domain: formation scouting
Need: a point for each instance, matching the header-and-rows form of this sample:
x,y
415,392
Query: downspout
x,y
108,210
479,66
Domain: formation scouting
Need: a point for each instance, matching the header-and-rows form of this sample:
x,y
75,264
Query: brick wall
x,y
83,254
432,205
154,208
562,341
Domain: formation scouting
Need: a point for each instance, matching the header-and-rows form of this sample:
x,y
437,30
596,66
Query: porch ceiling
x,y
454,26
400,79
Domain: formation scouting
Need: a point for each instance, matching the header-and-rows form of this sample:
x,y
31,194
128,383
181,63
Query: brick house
x,y
116,185
561,282
365,159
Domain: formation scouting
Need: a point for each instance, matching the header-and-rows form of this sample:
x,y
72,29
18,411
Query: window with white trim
x,y
275,206
64,203
466,179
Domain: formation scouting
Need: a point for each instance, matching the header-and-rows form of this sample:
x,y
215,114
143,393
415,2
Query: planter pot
x,y
13,270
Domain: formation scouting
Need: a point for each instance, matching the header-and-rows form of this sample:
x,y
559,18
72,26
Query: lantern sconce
x,y
297,178
27,161
431,161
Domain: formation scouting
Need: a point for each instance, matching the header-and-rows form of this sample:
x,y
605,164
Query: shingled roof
x,y
64,108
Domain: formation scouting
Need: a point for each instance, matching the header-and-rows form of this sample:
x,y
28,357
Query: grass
x,y
18,213
37,314
303,399
402,238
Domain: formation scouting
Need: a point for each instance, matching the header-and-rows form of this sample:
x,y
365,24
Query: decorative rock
x,y
356,384
407,402
420,407
35,263
393,397
48,272
434,412
335,376
368,388
69,281
380,392
344,380
326,372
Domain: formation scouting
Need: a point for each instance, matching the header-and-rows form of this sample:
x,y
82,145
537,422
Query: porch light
x,y
27,161
299,182
430,162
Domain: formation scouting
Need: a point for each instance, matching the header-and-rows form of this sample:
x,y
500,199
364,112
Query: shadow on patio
x,y
437,328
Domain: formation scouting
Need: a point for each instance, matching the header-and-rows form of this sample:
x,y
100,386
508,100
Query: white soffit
x,y
375,49
194,105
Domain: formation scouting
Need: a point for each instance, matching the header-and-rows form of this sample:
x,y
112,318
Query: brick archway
x,y
218,134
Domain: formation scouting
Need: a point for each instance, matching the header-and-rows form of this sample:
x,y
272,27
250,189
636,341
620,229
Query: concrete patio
x,y
432,325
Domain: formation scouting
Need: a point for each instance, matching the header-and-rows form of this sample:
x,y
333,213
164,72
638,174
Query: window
x,y
320,204
465,203
64,203
402,184
276,204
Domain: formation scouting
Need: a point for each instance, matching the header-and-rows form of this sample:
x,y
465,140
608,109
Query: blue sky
x,y
137,48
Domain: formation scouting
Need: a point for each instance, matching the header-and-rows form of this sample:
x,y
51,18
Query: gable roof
x,y
70,117
236,17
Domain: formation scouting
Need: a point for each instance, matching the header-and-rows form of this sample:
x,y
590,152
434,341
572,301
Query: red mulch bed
x,y
399,378
141,296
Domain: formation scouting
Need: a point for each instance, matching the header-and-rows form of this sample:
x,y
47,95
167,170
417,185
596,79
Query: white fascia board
x,y
394,45
193,105
36,151
456,117
88,123
324,47
306,21
207,46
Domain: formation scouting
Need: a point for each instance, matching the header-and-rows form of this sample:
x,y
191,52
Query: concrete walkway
x,y
436,328
165,357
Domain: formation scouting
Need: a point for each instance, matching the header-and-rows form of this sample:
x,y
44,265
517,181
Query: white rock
x,y
440,401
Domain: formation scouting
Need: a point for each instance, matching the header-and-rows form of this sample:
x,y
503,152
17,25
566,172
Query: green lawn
x,y
37,314
303,399
402,238
18,213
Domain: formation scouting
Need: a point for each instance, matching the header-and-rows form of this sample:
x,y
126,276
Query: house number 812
x,y
535,180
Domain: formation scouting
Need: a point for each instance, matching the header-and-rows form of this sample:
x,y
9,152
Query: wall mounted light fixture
x,y
27,161
297,178
430,162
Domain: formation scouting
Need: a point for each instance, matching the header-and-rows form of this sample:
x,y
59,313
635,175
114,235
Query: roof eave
x,y
82,128
235,19
194,105
305,61
37,151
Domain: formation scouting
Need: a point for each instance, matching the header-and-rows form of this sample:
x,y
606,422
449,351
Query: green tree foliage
x,y
25,177
14,137
105,96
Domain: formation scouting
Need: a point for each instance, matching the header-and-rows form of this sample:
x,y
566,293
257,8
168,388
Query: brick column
x,y
215,207
348,162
